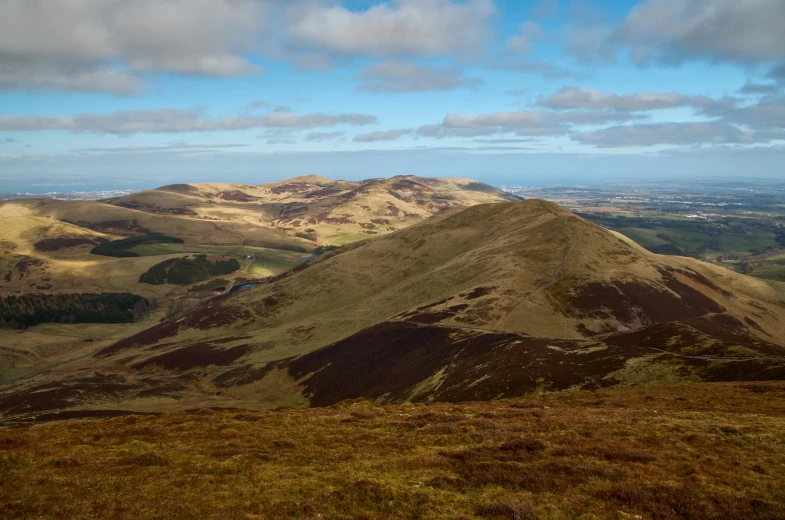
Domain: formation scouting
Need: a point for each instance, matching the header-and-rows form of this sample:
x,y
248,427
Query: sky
x,y
128,94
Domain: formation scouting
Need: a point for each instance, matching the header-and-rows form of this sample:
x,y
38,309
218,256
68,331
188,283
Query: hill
x,y
668,452
486,302
323,211
46,244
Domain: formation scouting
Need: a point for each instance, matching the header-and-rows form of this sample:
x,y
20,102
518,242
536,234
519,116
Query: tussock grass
x,y
673,452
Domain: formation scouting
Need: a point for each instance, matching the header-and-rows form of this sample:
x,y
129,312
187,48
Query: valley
x,y
114,245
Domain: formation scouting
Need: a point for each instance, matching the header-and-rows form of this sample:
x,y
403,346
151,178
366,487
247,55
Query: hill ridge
x,y
494,300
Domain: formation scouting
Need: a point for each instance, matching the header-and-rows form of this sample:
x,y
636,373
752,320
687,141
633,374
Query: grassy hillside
x,y
491,301
31,351
667,452
329,212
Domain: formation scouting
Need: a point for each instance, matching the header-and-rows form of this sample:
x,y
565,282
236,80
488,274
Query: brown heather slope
x,y
491,301
699,451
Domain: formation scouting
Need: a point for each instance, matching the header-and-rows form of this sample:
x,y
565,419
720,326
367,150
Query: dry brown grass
x,y
691,451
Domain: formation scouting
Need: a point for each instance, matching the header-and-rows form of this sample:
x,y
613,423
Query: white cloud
x,y
397,28
111,45
664,133
759,88
98,45
396,76
588,42
45,73
522,123
673,31
170,147
323,136
385,135
768,113
175,120
545,69
577,97
527,33
777,72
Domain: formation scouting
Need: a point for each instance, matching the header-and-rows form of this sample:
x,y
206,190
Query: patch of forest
x,y
56,244
20,312
186,271
122,248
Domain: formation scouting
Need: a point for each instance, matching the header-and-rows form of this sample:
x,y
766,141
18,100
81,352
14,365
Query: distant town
x,y
68,195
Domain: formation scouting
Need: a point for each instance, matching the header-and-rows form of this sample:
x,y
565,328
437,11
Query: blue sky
x,y
138,93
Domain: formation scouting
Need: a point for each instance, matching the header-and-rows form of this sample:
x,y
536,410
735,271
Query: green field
x,y
271,266
745,242
770,272
645,237
693,241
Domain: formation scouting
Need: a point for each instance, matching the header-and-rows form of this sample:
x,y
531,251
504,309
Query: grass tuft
x,y
508,509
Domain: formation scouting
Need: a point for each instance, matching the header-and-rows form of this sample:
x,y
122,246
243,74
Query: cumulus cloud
x,y
733,120
171,120
384,135
589,43
777,72
523,123
505,140
67,75
768,113
576,97
170,147
758,88
597,117
396,76
542,68
323,136
528,32
644,135
673,31
441,131
517,119
98,45
397,28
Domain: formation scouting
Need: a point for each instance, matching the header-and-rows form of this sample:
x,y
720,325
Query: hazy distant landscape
x,y
739,225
